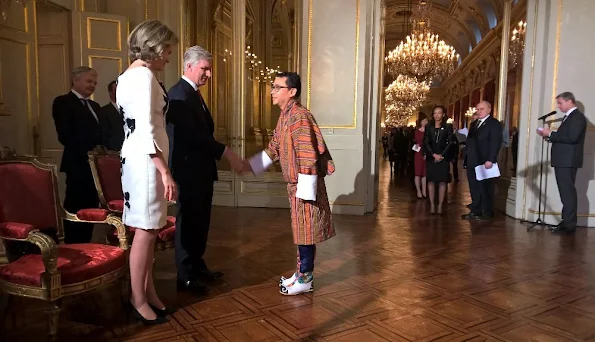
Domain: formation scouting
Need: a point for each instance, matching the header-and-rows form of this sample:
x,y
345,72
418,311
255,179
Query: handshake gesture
x,y
238,164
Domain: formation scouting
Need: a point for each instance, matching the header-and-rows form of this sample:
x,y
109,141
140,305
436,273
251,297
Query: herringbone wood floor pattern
x,y
399,274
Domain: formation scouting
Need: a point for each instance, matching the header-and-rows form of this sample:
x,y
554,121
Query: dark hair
x,y
422,116
567,96
293,81
109,86
444,117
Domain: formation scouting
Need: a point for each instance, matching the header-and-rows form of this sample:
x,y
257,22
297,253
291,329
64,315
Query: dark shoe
x,y
207,275
193,286
162,312
156,321
470,216
561,229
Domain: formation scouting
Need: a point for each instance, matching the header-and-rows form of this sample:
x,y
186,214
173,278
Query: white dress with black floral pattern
x,y
142,101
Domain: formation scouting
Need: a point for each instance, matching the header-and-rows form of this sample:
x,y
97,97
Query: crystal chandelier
x,y
469,113
423,55
517,43
403,97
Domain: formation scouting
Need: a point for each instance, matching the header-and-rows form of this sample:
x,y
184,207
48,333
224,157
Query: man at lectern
x,y
567,157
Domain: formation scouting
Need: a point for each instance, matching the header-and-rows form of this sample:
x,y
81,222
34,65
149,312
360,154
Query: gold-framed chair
x,y
106,169
30,209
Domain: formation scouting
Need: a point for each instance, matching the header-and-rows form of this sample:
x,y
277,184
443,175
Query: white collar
x,y
190,82
78,95
570,111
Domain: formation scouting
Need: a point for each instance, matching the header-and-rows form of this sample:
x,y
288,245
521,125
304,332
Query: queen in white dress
x,y
146,180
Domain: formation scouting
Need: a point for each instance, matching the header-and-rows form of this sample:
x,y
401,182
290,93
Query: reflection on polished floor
x,y
399,274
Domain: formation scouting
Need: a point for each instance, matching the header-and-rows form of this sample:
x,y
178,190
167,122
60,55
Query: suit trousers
x,y
192,226
482,194
565,178
80,194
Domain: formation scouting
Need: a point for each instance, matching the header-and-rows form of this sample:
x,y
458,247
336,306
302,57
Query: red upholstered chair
x,y
106,168
30,206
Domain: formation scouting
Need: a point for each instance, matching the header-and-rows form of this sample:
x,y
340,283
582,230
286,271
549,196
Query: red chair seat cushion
x,y
76,263
116,205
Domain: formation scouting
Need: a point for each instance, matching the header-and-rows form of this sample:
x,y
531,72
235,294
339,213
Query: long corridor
x,y
398,274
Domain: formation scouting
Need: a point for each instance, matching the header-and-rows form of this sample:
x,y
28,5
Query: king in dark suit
x,y
568,144
483,144
78,123
194,152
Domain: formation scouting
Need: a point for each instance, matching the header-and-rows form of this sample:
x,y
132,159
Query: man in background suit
x,y
483,144
194,152
568,144
78,123
113,130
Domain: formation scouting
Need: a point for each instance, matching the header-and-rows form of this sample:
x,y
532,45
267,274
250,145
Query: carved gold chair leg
x,y
53,313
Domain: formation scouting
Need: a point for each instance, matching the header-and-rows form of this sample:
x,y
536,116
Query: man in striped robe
x,y
305,160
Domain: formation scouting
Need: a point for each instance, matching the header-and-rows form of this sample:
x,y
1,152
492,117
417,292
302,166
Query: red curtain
x,y
489,92
475,97
457,112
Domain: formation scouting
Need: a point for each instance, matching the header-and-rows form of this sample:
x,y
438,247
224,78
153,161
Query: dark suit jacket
x,y
77,130
113,129
569,141
438,141
484,143
193,148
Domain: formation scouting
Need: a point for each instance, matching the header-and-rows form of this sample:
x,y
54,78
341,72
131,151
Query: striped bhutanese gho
x,y
298,145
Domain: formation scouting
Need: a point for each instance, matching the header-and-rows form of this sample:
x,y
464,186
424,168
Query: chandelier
x,y
423,55
517,44
403,97
469,113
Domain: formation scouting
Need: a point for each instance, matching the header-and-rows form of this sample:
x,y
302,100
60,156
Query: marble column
x,y
503,79
557,59
341,67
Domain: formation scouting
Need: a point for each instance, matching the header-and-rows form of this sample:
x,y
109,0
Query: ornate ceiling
x,y
460,23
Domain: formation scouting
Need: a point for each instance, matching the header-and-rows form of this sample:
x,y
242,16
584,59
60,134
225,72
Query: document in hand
x,y
416,148
463,131
482,173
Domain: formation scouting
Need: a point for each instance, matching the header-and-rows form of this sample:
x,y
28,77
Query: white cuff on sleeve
x,y
260,162
306,187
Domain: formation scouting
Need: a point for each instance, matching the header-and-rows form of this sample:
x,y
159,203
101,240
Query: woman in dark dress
x,y
437,140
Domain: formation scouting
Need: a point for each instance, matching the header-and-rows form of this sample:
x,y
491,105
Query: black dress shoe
x,y
193,286
563,229
470,216
207,275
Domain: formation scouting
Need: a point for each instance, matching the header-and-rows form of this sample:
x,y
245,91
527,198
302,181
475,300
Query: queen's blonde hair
x,y
148,40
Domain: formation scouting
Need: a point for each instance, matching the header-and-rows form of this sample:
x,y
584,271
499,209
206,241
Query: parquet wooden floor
x,y
399,274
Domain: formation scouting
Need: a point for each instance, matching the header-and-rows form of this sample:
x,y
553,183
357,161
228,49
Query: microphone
x,y
547,115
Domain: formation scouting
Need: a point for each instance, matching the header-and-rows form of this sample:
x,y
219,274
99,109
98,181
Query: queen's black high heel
x,y
137,315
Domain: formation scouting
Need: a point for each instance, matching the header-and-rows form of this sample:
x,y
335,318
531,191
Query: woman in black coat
x,y
437,142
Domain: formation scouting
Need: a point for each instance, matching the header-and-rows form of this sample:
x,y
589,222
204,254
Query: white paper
x,y
416,148
464,131
482,173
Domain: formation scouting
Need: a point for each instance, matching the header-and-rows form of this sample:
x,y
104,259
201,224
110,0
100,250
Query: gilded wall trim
x,y
353,124
90,33
557,55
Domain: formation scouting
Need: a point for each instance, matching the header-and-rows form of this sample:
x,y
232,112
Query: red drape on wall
x,y
451,112
475,97
489,92
457,112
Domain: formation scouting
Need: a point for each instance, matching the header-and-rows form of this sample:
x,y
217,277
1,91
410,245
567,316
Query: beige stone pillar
x,y
556,59
341,68
503,79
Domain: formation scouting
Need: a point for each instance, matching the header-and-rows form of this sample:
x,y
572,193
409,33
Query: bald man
x,y
483,144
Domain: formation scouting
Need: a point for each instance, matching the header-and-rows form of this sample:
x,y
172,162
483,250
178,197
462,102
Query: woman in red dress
x,y
419,160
